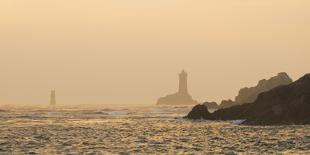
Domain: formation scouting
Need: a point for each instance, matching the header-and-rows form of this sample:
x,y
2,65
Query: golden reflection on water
x,y
77,132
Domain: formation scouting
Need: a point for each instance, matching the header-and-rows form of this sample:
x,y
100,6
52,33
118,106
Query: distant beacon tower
x,y
183,82
53,97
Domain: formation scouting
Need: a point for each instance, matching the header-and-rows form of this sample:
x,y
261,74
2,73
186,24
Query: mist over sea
x,y
139,130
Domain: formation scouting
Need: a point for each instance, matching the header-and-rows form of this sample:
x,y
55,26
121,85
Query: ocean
x,y
145,130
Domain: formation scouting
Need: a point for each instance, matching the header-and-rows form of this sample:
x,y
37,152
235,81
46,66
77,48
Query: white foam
x,y
237,122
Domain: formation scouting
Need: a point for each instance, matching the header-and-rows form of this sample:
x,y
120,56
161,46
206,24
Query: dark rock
x,y
226,104
287,104
199,112
249,95
211,105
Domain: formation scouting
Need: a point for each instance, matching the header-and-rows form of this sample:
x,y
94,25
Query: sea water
x,y
155,130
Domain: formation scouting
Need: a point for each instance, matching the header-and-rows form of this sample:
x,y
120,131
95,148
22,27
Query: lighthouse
x,y
183,83
182,97
53,97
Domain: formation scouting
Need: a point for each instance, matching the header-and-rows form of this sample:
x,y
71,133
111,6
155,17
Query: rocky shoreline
x,y
250,94
283,105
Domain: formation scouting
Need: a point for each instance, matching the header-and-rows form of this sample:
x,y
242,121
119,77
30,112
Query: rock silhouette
x,y
199,112
287,104
226,104
182,97
211,105
248,95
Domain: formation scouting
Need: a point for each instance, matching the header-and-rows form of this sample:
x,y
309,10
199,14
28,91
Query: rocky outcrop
x,y
199,112
226,104
249,95
287,104
211,105
177,99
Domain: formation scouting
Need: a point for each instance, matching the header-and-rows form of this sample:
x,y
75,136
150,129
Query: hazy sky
x,y
130,51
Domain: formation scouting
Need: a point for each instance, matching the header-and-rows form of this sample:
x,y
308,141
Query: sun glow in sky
x,y
131,51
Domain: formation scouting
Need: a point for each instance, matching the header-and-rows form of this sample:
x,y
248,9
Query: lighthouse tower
x,y
53,97
183,83
182,97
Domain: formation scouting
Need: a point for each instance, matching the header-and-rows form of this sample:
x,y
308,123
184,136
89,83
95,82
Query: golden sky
x,y
130,51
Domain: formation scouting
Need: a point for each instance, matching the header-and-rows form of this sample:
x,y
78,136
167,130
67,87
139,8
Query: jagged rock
x,y
226,104
199,112
287,104
211,105
249,95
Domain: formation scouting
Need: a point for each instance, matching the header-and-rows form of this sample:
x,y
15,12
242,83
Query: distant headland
x,y
249,95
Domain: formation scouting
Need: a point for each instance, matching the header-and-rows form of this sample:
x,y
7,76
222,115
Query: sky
x,y
131,51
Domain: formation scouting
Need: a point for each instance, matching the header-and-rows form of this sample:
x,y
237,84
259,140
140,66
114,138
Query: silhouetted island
x,y
287,104
248,95
182,97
